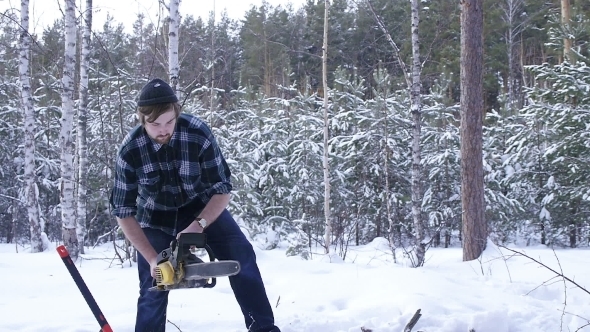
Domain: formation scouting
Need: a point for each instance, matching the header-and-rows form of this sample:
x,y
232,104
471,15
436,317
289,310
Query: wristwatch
x,y
202,222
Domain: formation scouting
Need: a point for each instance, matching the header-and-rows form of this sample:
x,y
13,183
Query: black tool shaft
x,y
65,256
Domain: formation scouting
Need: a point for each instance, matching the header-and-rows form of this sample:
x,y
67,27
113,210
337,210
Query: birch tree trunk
x,y
82,127
173,27
328,232
68,209
472,111
414,84
391,230
416,110
32,192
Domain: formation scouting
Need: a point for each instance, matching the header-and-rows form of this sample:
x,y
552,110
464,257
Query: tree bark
x,y
82,127
565,22
416,110
213,58
68,210
32,192
267,63
391,229
414,85
328,232
173,27
472,111
512,12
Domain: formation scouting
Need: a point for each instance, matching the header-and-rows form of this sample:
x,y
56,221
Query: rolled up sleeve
x,y
123,198
215,173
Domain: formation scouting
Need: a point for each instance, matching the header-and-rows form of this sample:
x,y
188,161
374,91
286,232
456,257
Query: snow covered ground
x,y
500,293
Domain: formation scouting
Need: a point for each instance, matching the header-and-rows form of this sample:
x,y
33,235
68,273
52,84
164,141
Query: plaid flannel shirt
x,y
156,182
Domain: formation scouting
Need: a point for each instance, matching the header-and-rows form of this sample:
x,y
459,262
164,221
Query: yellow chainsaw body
x,y
166,275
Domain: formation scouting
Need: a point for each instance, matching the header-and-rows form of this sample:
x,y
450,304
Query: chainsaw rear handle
x,y
187,240
198,240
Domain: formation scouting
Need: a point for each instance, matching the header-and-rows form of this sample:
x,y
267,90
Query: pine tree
x,y
441,148
326,148
472,187
551,152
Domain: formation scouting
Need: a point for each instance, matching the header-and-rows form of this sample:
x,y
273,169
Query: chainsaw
x,y
179,268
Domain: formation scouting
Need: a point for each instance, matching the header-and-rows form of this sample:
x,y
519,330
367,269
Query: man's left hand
x,y
194,227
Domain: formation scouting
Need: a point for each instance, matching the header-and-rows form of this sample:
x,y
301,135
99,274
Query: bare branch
x,y
13,198
583,326
20,27
559,274
393,44
413,321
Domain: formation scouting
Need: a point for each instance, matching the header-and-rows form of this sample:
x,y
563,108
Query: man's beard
x,y
162,139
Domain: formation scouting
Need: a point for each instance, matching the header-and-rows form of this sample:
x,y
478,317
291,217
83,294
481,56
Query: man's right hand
x,y
135,234
153,265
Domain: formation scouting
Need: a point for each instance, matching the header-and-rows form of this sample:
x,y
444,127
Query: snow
x,y
498,293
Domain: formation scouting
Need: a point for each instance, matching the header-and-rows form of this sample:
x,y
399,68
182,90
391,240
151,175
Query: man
x,y
171,178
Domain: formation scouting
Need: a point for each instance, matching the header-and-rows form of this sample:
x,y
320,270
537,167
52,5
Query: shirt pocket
x,y
149,184
190,176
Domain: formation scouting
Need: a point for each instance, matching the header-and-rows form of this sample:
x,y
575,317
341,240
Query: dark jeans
x,y
228,243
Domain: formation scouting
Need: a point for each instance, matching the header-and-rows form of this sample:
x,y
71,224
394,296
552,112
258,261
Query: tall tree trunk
x,y
391,230
394,229
416,109
512,12
267,63
173,27
10,226
68,210
328,232
82,127
565,22
384,86
568,56
472,111
32,192
213,54
541,146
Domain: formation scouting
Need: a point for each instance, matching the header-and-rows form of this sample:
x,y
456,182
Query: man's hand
x,y
137,237
194,227
153,265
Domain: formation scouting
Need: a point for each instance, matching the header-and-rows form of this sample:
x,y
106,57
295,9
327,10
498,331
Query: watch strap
x,y
202,222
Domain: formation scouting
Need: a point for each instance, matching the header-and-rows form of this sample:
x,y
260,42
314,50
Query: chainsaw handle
x,y
199,240
210,253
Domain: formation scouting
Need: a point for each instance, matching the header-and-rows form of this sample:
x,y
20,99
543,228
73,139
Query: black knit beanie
x,y
156,92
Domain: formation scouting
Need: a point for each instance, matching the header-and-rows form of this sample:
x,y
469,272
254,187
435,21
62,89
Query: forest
x,y
257,82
